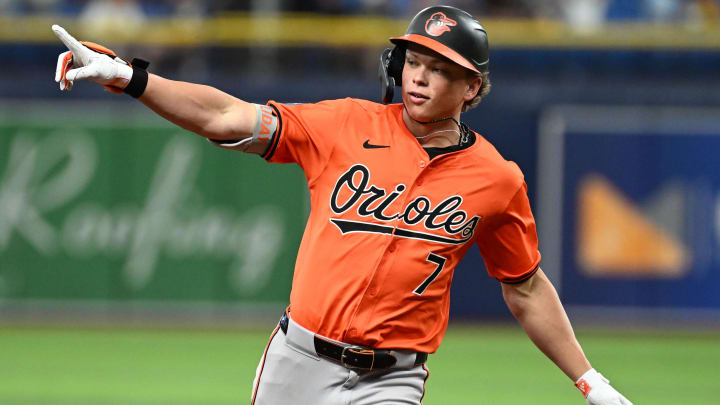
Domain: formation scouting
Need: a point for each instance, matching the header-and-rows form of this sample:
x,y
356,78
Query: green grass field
x,y
475,365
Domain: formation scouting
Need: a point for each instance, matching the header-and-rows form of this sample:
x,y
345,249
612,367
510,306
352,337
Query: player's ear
x,y
474,84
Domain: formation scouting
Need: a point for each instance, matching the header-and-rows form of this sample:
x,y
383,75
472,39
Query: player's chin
x,y
422,112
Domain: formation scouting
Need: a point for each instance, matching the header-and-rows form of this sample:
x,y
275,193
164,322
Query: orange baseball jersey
x,y
388,225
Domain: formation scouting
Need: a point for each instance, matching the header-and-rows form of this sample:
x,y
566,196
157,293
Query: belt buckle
x,y
358,350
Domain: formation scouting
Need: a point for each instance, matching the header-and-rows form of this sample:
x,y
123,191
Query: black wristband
x,y
139,79
138,82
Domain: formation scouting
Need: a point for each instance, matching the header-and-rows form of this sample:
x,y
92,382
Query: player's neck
x,y
439,134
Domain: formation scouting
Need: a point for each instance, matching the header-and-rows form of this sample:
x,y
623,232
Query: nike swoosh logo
x,y
368,145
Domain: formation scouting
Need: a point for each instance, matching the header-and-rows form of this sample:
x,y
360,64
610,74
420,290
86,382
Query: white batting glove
x,y
89,61
597,390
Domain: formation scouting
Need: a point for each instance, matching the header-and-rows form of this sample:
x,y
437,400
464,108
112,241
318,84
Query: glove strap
x,y
583,386
590,379
138,82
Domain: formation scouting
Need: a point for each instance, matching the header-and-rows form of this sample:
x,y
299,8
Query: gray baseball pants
x,y
291,372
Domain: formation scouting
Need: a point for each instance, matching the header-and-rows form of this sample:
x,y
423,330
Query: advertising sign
x,y
629,205
119,205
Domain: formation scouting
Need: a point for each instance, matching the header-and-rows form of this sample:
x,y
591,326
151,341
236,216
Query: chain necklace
x,y
463,133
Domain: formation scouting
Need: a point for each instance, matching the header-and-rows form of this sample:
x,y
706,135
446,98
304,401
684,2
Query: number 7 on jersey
x,y
440,261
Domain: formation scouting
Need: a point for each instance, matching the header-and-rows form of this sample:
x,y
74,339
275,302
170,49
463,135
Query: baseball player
x,y
399,194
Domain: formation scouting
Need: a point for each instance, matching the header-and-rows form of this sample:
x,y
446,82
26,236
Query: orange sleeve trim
x,y
520,279
276,137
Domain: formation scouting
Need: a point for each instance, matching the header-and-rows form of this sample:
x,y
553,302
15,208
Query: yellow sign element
x,y
306,29
616,239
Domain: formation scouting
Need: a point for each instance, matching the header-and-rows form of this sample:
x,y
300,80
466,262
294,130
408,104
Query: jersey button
x,y
391,248
372,291
422,163
352,332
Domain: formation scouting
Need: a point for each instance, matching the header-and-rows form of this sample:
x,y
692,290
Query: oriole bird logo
x,y
439,24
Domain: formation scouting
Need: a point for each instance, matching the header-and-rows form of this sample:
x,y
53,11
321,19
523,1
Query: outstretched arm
x,y
201,109
536,306
204,110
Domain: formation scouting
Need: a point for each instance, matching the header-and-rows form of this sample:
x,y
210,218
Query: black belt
x,y
355,357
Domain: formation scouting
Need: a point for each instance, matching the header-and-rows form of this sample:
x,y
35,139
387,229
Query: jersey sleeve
x,y
307,133
508,241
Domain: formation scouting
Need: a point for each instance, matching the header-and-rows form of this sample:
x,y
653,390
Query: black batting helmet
x,y
449,31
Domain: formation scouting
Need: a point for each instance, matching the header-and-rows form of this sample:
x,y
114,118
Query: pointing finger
x,y
78,50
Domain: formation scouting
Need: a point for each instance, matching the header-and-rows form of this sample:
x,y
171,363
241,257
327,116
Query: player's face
x,y
434,87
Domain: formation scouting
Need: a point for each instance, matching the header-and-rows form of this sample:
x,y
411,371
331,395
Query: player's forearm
x,y
202,109
536,306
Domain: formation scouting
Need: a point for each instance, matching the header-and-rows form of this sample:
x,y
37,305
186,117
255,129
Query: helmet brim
x,y
437,47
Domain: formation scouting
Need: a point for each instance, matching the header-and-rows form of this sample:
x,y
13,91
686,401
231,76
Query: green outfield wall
x,y
113,205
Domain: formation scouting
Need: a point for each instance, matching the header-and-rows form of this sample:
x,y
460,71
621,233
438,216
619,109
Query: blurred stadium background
x,y
139,265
